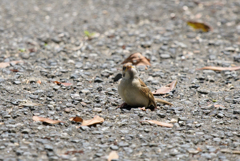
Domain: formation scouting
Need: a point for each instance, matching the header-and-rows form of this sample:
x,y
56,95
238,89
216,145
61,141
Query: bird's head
x,y
129,71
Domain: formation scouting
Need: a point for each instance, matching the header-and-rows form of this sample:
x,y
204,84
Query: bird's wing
x,y
147,93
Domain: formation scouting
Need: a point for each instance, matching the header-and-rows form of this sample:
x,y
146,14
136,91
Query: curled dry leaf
x,y
95,120
113,155
199,26
6,64
158,123
76,119
47,120
166,89
219,68
137,59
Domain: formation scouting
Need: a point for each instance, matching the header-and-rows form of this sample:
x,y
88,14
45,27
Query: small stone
x,y
17,82
85,91
236,112
48,147
117,77
114,147
220,115
162,115
67,110
84,128
26,131
24,55
98,80
193,151
203,91
165,56
123,144
97,110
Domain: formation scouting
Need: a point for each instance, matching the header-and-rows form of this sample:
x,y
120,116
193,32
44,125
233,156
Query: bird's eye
x,y
124,68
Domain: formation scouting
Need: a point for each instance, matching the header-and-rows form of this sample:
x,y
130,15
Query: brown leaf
x,y
199,26
31,50
66,84
158,123
14,70
76,119
73,152
39,82
57,82
137,59
166,89
47,120
219,106
113,155
6,64
60,83
95,120
219,68
199,149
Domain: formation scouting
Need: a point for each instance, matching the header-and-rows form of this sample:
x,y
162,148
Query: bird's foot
x,y
122,105
142,108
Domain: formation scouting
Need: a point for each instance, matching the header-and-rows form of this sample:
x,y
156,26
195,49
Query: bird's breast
x,y
129,90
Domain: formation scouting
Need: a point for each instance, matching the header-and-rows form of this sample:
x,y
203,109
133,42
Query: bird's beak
x,y
129,67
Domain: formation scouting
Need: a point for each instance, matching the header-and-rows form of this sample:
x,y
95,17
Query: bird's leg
x,y
142,108
122,105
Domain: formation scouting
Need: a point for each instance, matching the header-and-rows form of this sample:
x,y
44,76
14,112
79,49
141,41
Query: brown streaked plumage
x,y
133,90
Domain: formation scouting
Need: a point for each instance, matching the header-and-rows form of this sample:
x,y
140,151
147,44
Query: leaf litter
x,y
163,124
199,26
166,89
113,155
47,120
219,68
6,64
95,120
137,59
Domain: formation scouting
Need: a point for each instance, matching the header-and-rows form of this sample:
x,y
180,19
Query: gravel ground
x,y
48,38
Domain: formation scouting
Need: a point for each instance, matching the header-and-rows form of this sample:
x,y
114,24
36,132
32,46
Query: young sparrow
x,y
134,91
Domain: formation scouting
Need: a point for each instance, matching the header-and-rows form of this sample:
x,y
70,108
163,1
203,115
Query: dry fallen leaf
x,y
39,82
219,68
158,123
6,64
219,106
199,26
113,155
95,120
29,104
14,70
76,119
137,59
66,84
60,83
47,120
166,89
73,152
199,149
57,82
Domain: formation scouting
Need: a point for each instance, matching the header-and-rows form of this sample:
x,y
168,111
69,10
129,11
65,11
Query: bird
x,y
134,91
